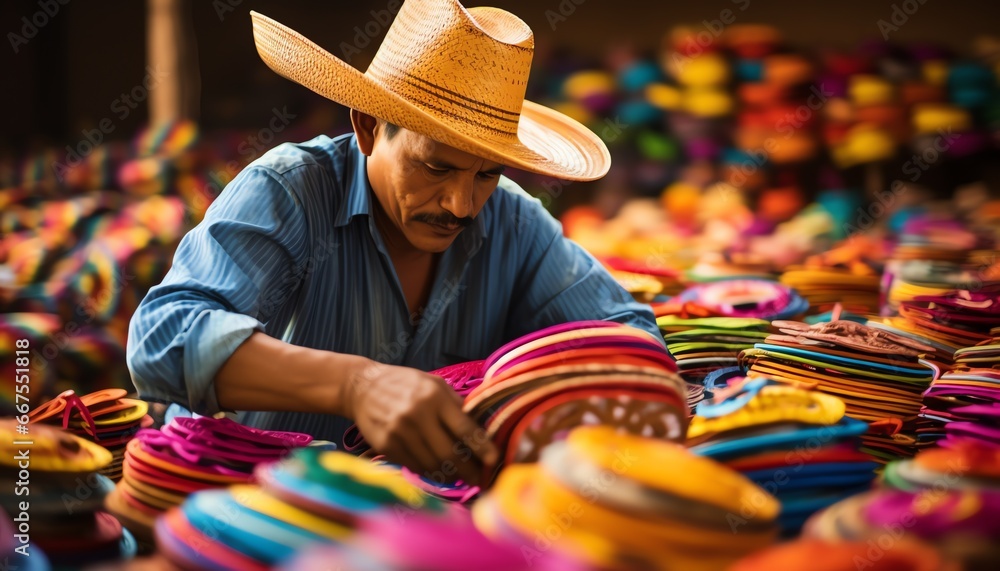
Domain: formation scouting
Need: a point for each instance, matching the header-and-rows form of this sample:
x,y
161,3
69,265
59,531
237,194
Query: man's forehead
x,y
429,150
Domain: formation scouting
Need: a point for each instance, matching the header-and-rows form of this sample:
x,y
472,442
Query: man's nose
x,y
457,197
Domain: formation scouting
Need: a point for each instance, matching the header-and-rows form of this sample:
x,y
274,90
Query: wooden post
x,y
171,50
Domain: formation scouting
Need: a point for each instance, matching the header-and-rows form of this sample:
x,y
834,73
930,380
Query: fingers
x,y
455,461
425,430
408,449
465,430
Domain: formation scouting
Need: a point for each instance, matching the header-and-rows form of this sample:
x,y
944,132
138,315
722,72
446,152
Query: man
x,y
329,275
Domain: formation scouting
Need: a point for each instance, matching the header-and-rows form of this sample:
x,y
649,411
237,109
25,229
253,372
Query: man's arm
x,y
198,339
559,281
230,274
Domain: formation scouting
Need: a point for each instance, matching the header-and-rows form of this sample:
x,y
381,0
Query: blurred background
x,y
747,136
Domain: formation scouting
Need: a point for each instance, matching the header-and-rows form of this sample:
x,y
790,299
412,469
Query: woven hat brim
x,y
548,142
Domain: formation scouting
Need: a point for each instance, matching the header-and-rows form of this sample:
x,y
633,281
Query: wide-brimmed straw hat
x,y
453,74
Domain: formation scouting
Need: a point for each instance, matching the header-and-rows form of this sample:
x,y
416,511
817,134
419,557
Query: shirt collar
x,y
357,199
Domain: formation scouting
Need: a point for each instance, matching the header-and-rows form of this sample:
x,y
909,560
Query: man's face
x,y
429,191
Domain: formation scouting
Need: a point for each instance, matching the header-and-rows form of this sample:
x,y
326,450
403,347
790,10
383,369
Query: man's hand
x,y
416,420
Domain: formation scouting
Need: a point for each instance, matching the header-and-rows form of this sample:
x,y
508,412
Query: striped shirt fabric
x,y
290,248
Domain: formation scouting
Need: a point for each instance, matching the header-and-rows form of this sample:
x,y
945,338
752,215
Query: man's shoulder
x,y
317,174
322,153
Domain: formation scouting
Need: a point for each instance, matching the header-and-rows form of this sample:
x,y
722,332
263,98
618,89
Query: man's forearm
x,y
267,374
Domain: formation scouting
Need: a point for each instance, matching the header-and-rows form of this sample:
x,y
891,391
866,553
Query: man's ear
x,y
364,130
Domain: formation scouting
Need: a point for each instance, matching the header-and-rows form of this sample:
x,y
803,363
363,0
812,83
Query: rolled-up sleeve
x,y
229,275
559,281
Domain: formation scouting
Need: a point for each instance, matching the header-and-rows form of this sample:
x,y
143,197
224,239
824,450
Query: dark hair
x,y
390,129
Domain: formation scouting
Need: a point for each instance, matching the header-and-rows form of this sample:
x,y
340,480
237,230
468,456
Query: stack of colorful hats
x,y
461,377
901,554
313,496
423,541
162,467
104,417
960,401
930,258
855,287
55,476
957,319
966,399
759,299
795,443
878,374
985,354
964,464
543,384
946,497
706,344
728,267
643,281
611,498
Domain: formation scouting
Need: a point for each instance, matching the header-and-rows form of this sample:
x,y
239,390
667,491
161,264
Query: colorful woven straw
x,y
623,511
965,465
901,555
878,375
65,497
162,467
962,403
312,497
759,299
855,288
455,75
752,425
104,417
538,387
422,541
961,523
703,345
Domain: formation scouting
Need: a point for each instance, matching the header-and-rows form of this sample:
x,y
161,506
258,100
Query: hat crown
x,y
471,65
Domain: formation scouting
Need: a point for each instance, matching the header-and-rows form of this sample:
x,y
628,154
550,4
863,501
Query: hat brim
x,y
548,142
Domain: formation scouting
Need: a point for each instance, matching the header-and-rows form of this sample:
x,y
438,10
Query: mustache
x,y
444,219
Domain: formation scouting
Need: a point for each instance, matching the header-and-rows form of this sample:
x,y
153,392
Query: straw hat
x,y
457,76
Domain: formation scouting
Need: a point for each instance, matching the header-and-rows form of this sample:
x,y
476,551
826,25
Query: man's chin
x,y
433,243
431,238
